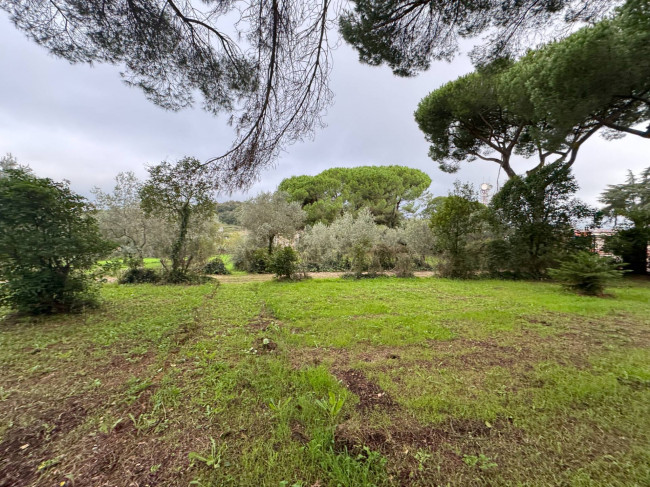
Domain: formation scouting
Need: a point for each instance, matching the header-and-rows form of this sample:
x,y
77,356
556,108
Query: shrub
x,y
254,260
49,240
284,262
404,265
587,273
179,277
139,275
497,257
216,266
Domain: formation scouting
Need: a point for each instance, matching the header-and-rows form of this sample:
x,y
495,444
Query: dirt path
x,y
313,275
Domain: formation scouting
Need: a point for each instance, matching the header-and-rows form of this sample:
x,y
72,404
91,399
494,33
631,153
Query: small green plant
x,y
422,456
4,394
213,459
144,422
481,461
107,425
47,464
284,262
280,405
587,273
332,406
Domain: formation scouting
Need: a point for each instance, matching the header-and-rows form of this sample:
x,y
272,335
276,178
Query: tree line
x,y
51,238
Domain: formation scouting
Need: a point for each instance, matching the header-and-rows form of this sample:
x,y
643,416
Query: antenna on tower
x,y
485,193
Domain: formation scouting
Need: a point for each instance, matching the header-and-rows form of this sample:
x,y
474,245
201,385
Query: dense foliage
x,y
458,225
549,103
268,216
628,205
537,216
228,212
384,190
270,67
215,266
408,35
358,244
284,262
49,240
139,275
122,220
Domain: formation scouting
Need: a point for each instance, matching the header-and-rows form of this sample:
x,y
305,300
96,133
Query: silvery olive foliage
x,y
268,216
358,243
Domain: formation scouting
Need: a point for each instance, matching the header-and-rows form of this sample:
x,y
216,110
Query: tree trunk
x,y
177,247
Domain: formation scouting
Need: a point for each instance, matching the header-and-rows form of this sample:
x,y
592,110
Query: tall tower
x,y
485,193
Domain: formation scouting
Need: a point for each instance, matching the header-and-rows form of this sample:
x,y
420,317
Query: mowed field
x,y
333,382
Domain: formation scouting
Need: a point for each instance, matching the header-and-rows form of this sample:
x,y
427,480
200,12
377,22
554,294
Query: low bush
x,y
216,266
404,265
284,262
179,277
587,273
253,260
139,275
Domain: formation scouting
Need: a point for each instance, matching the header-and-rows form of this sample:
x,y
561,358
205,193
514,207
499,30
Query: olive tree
x,y
183,193
122,220
268,216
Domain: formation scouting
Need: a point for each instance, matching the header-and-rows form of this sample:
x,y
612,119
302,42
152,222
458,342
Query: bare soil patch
x,y
24,449
370,394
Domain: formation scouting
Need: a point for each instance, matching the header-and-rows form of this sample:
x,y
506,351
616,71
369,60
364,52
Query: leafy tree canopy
x,y
550,102
122,220
457,224
49,239
628,204
599,75
537,215
228,212
630,200
270,215
381,189
408,35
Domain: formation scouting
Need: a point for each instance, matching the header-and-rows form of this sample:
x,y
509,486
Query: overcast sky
x,y
83,124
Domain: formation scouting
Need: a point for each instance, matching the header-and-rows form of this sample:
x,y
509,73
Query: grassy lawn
x,y
419,382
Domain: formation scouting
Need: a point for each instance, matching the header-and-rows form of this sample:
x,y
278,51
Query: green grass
x,y
331,382
227,260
